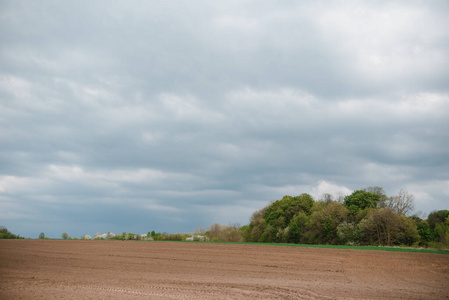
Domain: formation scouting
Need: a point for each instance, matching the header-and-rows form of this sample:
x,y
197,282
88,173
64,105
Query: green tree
x,y
64,236
245,232
5,234
441,233
360,200
41,236
280,212
408,232
424,231
383,198
348,233
273,221
386,228
257,224
297,228
322,225
437,217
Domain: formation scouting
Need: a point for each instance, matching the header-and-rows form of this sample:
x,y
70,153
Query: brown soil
x,y
45,269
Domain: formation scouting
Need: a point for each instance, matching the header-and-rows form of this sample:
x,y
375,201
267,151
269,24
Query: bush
x,y
385,228
322,225
173,237
348,233
5,234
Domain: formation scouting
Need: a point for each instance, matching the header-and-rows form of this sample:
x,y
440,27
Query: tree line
x,y
366,217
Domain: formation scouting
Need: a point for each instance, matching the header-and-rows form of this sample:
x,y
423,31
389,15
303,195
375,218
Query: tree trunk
x,y
378,235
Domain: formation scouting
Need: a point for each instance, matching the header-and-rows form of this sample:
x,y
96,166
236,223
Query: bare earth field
x,y
52,269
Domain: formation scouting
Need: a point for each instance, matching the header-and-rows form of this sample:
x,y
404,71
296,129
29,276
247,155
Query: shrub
x,y
5,234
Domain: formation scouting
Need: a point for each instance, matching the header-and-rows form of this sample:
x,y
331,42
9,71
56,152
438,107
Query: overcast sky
x,y
168,115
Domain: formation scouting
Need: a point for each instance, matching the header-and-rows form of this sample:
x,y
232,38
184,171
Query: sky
x,y
169,115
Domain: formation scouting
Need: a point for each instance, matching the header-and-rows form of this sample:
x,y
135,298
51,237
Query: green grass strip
x,y
370,248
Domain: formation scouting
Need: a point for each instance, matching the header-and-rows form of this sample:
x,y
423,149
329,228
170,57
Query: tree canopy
x,y
366,217
360,200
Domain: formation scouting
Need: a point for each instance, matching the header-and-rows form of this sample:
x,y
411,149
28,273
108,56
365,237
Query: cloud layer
x,y
169,116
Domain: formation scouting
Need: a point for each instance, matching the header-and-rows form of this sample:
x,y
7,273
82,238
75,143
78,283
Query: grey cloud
x,y
172,116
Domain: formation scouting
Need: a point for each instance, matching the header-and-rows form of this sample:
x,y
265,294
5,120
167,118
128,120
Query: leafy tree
x,y
257,224
408,232
245,231
322,225
223,233
271,223
348,233
441,233
280,212
41,236
297,228
385,227
269,235
380,192
424,231
360,200
64,236
437,217
256,232
214,232
283,235
5,234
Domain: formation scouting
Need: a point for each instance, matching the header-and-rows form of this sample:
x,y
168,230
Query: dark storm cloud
x,y
169,116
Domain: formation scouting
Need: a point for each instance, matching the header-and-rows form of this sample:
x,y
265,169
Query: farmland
x,y
55,269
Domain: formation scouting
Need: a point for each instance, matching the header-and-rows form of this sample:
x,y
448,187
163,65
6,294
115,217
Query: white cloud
x,y
378,173
188,108
384,39
433,193
237,22
72,173
16,184
315,190
329,188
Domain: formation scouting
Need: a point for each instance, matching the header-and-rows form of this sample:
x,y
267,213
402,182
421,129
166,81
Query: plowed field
x,y
47,269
